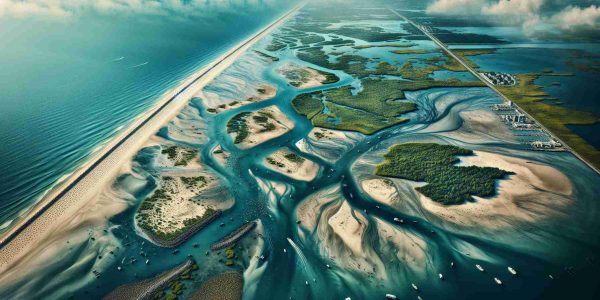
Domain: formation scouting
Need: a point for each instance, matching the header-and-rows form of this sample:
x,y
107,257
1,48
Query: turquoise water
x,y
68,85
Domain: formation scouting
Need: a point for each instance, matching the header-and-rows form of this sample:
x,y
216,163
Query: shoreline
x,y
493,88
101,167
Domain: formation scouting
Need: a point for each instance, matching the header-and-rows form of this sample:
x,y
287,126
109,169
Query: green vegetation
x,y
295,158
237,125
434,164
267,56
405,45
274,162
185,155
412,51
194,182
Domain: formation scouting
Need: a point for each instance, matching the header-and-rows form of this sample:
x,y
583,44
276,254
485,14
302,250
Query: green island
x,y
434,164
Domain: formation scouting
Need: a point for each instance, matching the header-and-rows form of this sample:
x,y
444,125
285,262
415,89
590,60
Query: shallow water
x,y
537,249
70,85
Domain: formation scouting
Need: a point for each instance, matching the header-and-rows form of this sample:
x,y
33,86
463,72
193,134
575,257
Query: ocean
x,y
70,84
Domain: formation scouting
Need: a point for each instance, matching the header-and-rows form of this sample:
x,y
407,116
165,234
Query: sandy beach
x,y
76,203
302,77
535,192
381,190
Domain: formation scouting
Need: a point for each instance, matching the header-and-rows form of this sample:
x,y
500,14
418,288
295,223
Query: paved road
x,y
491,86
113,154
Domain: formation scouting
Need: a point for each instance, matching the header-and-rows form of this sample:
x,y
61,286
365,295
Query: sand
x,y
407,247
350,226
535,192
480,123
306,170
75,203
381,190
263,92
221,155
257,135
300,76
330,145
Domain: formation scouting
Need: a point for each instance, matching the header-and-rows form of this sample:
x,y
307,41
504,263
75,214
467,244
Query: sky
x,y
576,18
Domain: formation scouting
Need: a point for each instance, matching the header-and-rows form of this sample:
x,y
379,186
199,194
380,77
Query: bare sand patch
x,y
381,190
535,192
303,77
290,164
330,145
480,123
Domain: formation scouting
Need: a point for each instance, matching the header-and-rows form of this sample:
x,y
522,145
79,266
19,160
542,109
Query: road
x,y
491,86
84,184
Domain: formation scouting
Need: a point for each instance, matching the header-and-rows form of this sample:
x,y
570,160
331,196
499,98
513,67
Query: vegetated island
x,y
305,77
152,288
249,129
434,164
286,162
168,218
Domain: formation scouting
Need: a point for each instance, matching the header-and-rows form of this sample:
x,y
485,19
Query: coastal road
x,y
69,197
490,85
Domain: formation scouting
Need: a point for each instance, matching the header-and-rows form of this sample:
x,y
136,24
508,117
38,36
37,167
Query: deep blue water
x,y
68,85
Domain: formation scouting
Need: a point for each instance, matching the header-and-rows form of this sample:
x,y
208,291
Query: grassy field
x,y
434,164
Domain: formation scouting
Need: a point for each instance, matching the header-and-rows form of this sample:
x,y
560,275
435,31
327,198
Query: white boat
x,y
551,277
497,281
451,264
441,276
415,286
328,266
306,282
419,298
512,271
390,296
398,220
119,268
479,268
147,261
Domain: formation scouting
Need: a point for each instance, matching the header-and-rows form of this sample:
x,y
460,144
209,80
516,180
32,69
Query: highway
x,y
491,86
104,165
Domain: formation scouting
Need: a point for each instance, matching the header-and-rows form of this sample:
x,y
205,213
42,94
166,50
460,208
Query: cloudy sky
x,y
75,8
537,17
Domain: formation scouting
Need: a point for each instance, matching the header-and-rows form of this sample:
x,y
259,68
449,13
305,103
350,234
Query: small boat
x,y
398,220
419,298
306,282
551,277
147,261
284,250
498,281
262,257
441,276
479,268
512,271
119,268
328,266
415,286
351,196
451,264
390,296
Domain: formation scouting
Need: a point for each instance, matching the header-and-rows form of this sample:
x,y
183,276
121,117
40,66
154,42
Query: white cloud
x,y
519,8
69,8
573,18
455,7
